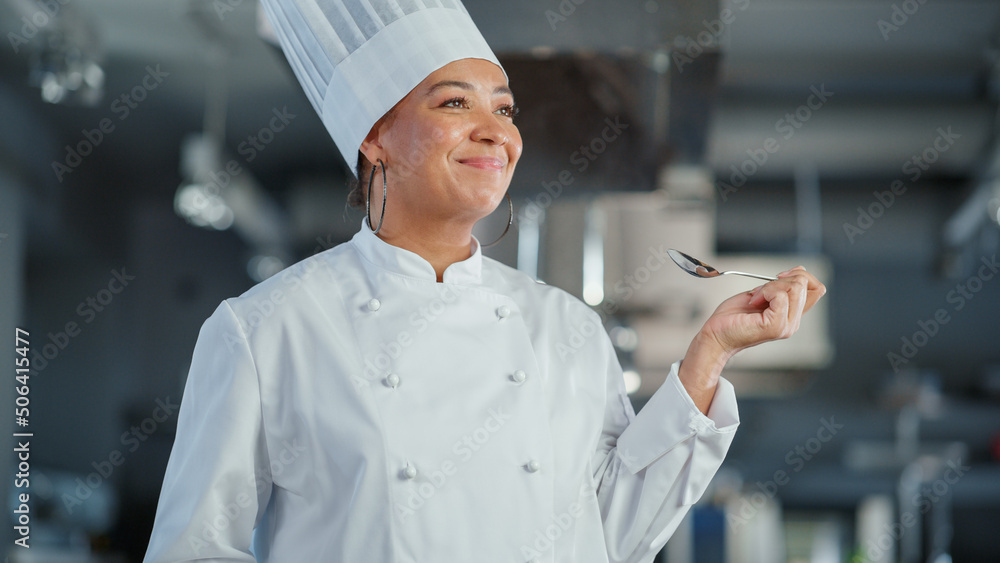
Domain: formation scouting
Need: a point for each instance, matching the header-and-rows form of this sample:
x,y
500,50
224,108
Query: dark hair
x,y
356,197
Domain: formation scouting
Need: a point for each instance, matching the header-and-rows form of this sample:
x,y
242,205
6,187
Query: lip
x,y
484,162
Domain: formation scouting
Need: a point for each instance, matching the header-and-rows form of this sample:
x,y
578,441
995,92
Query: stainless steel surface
x,y
699,269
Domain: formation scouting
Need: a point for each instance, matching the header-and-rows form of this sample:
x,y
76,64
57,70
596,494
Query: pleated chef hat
x,y
356,59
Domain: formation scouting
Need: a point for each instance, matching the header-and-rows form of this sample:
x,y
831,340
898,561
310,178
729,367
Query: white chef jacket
x,y
351,409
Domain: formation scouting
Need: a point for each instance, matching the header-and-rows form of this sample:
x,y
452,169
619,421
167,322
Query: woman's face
x,y
450,146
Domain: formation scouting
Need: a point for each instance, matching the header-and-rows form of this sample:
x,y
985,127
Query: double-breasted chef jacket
x,y
352,409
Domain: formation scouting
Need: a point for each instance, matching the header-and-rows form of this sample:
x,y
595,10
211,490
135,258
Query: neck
x,y
441,243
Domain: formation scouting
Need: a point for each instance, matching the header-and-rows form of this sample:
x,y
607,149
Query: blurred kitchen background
x,y
158,156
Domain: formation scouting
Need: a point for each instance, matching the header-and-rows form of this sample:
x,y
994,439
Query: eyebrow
x,y
466,86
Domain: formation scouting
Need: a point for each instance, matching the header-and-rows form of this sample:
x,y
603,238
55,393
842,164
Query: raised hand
x,y
773,311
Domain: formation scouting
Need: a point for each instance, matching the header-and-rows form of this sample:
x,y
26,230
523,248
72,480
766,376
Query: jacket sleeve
x,y
651,467
217,481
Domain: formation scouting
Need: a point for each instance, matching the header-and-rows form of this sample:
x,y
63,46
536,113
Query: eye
x,y
460,101
509,110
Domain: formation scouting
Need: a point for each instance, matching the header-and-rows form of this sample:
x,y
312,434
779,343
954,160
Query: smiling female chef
x,y
401,398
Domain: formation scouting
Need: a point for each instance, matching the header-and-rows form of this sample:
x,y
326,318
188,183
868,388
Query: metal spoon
x,y
699,269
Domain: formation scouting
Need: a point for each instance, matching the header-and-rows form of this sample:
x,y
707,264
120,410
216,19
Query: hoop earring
x,y
510,219
368,200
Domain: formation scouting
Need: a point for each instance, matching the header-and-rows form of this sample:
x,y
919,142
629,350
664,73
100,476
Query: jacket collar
x,y
404,262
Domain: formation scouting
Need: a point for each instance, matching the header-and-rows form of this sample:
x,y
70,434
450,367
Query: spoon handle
x,y
768,278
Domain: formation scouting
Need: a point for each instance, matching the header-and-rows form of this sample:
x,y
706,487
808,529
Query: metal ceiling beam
x,y
594,25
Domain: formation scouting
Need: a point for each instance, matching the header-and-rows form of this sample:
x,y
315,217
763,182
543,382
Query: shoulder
x,y
295,288
536,295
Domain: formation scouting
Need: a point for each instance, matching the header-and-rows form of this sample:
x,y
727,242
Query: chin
x,y
480,204
483,186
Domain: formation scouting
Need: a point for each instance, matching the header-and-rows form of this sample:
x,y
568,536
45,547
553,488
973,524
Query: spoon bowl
x,y
699,269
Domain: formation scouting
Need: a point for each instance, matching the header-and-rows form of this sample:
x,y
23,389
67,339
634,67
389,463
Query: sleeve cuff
x,y
670,418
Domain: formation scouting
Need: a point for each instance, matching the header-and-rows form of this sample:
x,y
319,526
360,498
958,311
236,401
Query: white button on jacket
x,y
322,424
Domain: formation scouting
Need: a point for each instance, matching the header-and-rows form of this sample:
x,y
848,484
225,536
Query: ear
x,y
372,147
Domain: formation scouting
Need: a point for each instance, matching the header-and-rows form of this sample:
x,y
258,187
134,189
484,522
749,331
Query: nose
x,y
489,130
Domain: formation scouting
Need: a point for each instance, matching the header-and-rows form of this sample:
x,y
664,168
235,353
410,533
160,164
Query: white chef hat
x,y
356,59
